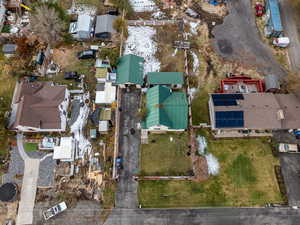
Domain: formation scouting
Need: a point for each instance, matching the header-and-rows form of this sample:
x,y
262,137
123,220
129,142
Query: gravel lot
x,y
16,168
238,39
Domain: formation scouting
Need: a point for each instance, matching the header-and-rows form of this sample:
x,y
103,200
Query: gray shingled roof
x,y
9,48
104,23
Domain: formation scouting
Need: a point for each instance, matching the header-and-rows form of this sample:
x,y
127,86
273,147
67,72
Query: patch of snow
x,y
158,14
196,62
84,146
82,9
202,145
175,52
194,27
212,164
192,92
140,42
191,12
143,5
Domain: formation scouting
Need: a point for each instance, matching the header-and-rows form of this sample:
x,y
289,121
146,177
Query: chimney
x,y
280,114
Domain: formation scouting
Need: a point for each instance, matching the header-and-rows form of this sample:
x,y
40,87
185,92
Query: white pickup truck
x,y
289,148
53,211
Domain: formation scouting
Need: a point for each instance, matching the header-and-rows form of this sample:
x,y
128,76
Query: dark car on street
x,y
71,75
86,54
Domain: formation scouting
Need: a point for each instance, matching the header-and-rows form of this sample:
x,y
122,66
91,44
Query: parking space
x,y
290,168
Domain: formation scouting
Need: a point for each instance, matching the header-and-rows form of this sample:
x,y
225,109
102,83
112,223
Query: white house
x,y
65,151
105,93
82,28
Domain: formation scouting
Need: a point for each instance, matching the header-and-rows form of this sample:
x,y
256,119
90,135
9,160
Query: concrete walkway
x,y
21,147
29,185
28,192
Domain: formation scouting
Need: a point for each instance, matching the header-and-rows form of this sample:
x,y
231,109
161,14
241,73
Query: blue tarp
x,y
273,6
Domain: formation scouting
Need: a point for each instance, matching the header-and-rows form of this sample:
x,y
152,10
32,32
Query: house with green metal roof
x,y
170,79
166,110
130,71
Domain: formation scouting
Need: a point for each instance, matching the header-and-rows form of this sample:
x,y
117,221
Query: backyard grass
x,y
30,147
162,157
246,178
200,107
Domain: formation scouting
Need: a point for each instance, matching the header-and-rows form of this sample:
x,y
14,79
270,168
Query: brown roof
x,y
261,111
38,104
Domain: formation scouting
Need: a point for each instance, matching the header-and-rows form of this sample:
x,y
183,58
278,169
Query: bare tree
x,y
46,24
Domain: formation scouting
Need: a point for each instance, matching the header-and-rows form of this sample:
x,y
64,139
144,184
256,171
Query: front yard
x,y
166,154
30,147
246,178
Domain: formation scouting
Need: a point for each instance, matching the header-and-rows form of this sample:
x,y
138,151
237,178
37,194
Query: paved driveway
x,y
126,196
290,167
209,216
289,17
238,39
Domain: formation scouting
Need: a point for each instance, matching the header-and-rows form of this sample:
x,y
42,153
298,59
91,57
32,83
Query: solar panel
x,y
229,119
226,99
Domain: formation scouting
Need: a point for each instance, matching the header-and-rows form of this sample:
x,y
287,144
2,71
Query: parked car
x,y
259,9
119,162
288,148
282,42
71,75
86,54
53,211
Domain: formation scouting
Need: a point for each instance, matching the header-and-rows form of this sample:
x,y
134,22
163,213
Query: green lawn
x,y
164,157
200,107
246,178
30,147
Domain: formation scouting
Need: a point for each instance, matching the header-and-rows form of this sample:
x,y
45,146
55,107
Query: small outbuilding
x,y
82,28
9,49
104,26
103,127
65,151
105,93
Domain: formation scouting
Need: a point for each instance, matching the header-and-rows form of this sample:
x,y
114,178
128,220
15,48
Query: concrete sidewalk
x,y
28,192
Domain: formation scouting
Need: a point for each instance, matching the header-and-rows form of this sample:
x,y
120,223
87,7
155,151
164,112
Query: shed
x,y
165,78
130,70
105,114
9,49
93,133
82,28
104,26
65,150
273,26
272,83
103,126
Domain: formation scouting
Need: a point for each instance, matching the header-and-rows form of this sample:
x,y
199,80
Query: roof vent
x,y
280,114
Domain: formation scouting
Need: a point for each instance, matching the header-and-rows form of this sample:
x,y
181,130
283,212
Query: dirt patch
x,y
65,56
210,18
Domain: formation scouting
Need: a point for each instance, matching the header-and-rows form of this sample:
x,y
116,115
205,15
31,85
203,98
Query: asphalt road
x,y
209,216
238,39
126,196
290,168
289,17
